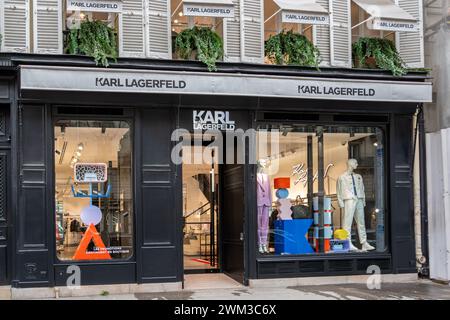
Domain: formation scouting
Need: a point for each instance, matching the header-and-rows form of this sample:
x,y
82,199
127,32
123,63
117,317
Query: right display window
x,y
320,190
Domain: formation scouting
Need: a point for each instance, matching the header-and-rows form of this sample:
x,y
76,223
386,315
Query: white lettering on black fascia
x,y
139,83
336,91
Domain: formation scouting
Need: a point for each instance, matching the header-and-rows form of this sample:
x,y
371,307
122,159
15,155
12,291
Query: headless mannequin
x,y
351,197
264,202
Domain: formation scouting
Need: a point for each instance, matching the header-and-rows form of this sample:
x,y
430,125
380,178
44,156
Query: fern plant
x,y
292,48
383,52
94,39
204,42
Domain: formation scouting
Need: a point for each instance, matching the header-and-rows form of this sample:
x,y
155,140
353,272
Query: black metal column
x,y
320,192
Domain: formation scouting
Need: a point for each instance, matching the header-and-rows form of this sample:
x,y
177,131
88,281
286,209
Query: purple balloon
x,y
91,215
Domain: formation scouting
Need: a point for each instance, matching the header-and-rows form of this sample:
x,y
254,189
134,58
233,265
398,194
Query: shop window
x,y
93,190
360,29
346,200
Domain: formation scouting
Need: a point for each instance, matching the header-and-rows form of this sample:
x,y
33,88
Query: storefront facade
x,y
60,112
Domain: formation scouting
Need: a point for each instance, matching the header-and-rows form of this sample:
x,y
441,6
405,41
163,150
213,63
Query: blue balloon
x,y
282,193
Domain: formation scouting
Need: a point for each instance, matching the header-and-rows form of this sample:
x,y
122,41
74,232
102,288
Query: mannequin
x,y
351,197
264,203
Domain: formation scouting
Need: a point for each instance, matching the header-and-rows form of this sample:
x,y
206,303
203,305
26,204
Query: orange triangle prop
x,y
82,254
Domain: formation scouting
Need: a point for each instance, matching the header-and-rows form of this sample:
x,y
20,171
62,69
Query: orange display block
x,y
81,252
282,183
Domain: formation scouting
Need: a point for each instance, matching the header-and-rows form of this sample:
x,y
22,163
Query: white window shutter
x,y
47,26
131,29
159,34
410,44
340,33
232,35
15,21
322,37
252,31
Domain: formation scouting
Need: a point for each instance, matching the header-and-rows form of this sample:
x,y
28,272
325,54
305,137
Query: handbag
x,y
300,211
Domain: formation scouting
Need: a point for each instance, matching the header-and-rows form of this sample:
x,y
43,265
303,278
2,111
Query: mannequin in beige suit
x,y
351,197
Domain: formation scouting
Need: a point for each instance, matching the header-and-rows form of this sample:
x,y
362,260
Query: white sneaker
x,y
353,248
261,248
367,247
266,250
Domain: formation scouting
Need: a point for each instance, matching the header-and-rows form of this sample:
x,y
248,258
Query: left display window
x,y
93,190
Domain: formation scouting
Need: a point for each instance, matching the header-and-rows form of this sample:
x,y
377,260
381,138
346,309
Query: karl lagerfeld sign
x,y
111,6
208,10
212,120
393,25
307,18
203,83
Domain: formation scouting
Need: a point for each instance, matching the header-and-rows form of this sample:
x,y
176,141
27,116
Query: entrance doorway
x,y
201,217
213,213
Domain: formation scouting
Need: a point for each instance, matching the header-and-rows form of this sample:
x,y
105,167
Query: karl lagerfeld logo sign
x,y
212,120
392,25
336,91
219,11
95,5
139,83
294,17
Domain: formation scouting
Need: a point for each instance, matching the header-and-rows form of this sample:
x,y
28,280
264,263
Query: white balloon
x,y
91,215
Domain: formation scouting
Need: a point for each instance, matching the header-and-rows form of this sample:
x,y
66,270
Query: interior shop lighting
x,y
80,146
180,14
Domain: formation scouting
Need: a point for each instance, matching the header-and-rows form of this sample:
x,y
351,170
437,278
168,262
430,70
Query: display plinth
x,y
290,236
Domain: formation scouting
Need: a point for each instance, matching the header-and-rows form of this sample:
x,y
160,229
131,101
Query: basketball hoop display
x,y
90,172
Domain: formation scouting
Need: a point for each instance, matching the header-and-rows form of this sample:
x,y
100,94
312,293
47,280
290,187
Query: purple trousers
x,y
263,224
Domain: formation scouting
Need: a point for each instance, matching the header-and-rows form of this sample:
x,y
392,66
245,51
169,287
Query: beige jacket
x,y
346,191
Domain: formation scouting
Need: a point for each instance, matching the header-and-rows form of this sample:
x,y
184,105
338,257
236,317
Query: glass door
x,y
200,213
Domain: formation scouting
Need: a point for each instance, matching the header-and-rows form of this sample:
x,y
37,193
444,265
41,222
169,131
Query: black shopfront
x,y
131,130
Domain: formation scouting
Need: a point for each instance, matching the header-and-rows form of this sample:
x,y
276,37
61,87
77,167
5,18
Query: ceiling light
x,y
80,146
375,144
180,13
78,153
176,21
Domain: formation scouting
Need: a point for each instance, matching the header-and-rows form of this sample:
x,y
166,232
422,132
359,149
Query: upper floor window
x,y
92,28
297,18
198,29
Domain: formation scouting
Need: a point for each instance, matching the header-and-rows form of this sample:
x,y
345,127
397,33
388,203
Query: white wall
x,y
438,176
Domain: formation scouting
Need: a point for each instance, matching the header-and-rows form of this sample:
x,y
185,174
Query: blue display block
x,y
290,236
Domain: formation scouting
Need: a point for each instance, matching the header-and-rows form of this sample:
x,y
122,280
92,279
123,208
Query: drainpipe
x,y
424,270
416,187
420,194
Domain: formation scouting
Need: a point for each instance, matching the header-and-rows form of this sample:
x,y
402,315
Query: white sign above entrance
x,y
214,9
305,18
204,83
393,25
111,6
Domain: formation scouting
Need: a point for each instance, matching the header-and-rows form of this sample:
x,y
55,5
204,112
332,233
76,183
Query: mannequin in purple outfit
x,y
264,203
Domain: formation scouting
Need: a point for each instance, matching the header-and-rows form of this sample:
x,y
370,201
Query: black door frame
x,y
125,265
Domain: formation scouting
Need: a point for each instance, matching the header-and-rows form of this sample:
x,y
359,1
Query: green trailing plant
x,y
94,39
204,43
382,52
293,49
